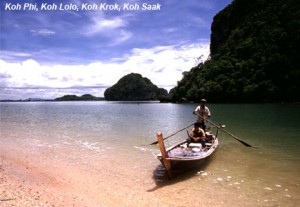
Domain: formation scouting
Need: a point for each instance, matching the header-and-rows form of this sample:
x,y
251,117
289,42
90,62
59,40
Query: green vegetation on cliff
x,y
254,55
133,87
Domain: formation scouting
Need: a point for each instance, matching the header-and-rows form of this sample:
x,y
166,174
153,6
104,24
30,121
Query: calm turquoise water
x,y
269,172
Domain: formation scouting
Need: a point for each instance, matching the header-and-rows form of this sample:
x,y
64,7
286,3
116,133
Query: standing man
x,y
203,114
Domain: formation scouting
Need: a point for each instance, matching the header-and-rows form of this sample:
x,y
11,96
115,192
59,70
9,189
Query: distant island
x,y
131,87
85,97
134,87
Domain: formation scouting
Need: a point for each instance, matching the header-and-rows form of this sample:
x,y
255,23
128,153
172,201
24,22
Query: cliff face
x,y
267,22
133,87
254,55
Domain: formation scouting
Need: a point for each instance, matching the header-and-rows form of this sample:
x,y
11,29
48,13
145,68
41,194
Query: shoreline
x,y
26,181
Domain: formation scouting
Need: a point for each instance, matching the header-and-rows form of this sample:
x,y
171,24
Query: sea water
x,y
78,132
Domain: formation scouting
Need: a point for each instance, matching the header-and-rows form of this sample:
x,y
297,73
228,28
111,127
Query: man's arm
x,y
208,112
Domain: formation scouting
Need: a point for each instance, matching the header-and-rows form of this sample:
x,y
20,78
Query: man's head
x,y
203,101
197,125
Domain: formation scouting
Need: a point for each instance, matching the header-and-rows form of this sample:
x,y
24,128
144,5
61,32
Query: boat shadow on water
x,y
183,171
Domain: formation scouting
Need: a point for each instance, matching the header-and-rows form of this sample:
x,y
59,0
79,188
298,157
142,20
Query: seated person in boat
x,y
197,135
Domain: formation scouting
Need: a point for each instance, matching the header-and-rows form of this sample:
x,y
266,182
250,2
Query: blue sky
x,y
48,54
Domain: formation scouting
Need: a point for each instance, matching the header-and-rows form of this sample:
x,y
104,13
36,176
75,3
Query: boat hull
x,y
180,157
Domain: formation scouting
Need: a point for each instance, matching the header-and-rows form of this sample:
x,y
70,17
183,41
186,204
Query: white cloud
x,y
8,55
163,65
112,28
42,32
99,24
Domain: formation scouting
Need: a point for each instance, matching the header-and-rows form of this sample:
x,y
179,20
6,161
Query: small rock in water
x,y
278,186
220,179
268,188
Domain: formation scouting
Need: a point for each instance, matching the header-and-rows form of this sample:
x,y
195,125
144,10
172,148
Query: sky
x,y
51,48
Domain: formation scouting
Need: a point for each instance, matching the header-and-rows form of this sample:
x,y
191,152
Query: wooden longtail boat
x,y
182,157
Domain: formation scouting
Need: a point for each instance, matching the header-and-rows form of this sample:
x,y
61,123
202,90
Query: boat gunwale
x,y
191,158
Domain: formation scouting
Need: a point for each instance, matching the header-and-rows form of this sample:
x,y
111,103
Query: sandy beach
x,y
27,184
40,176
27,181
32,177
